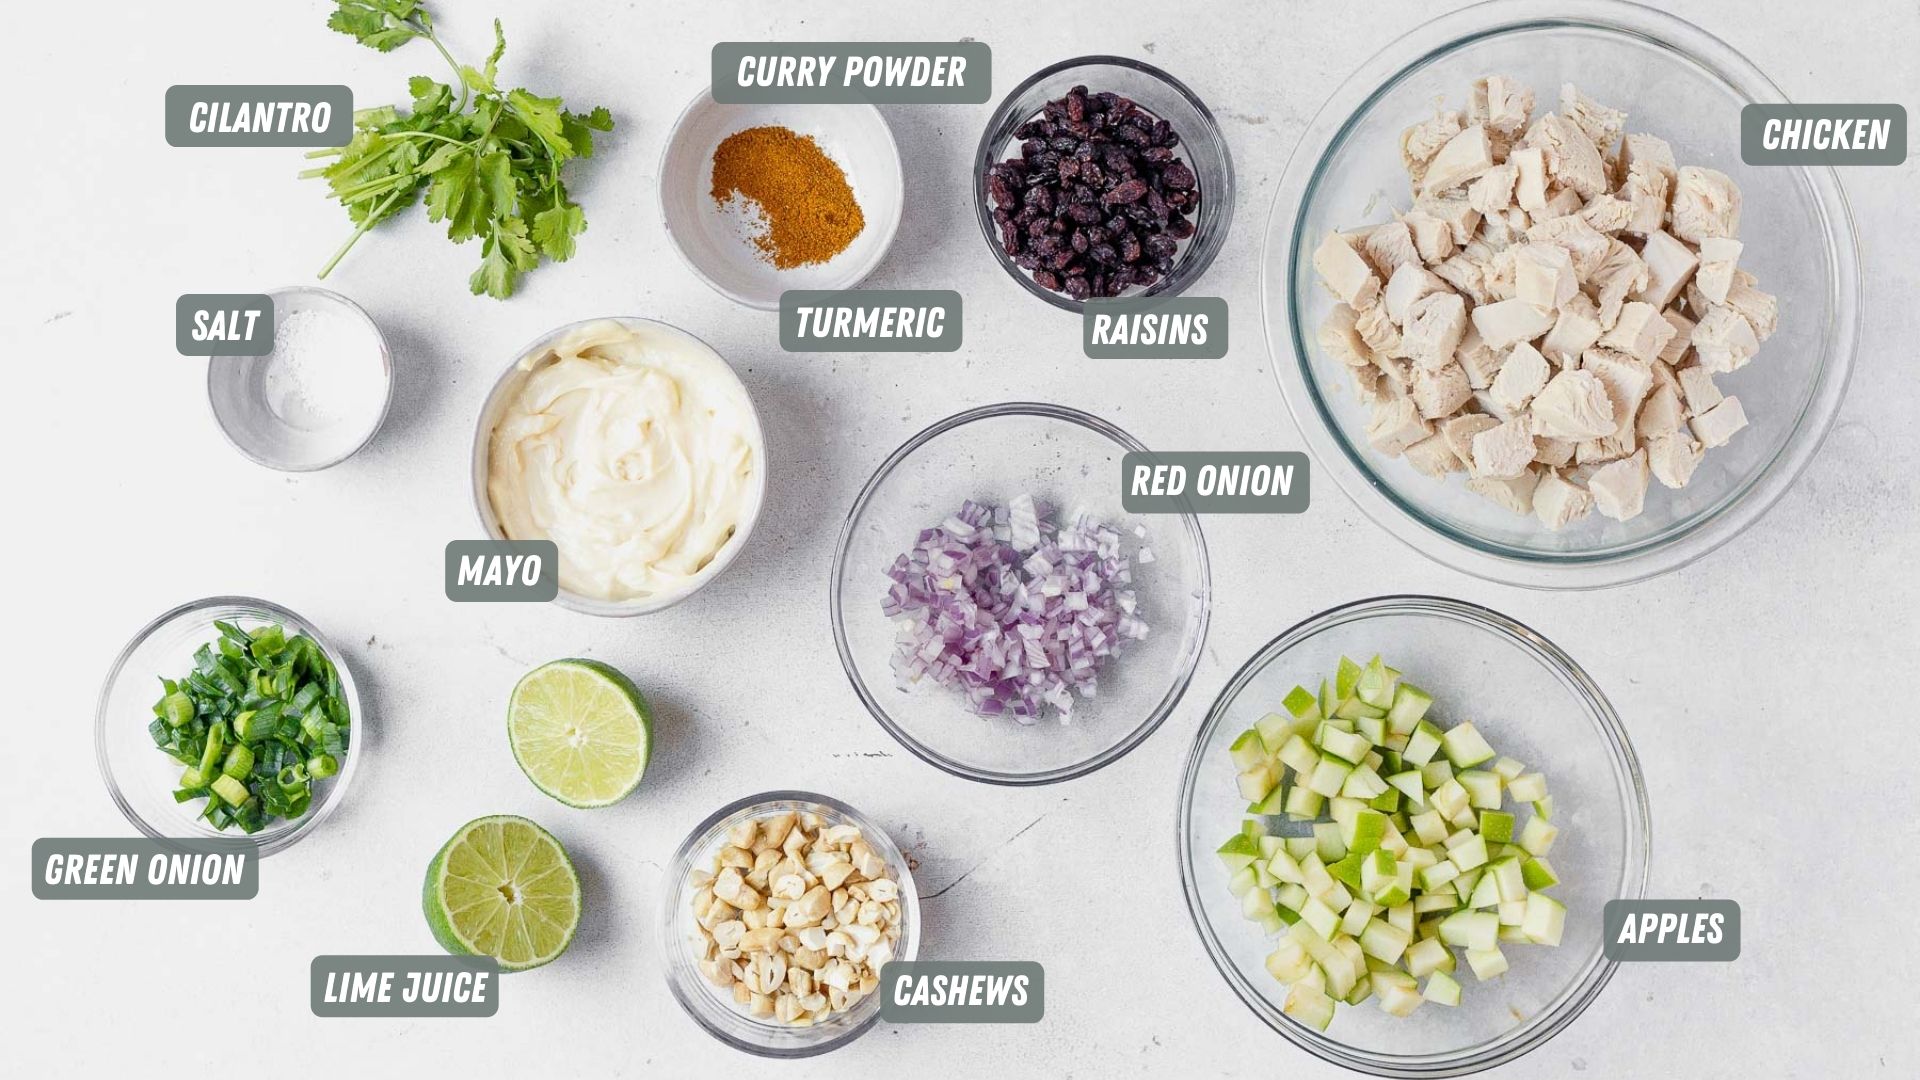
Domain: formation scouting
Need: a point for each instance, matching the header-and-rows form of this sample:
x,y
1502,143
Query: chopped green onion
x,y
176,708
321,766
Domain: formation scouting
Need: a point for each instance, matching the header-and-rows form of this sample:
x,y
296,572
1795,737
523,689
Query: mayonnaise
x,y
635,450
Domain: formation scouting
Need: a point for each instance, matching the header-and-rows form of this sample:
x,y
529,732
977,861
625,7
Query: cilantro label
x,y
404,986
259,115
114,868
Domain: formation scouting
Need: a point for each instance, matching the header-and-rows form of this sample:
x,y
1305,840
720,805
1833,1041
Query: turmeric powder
x,y
804,199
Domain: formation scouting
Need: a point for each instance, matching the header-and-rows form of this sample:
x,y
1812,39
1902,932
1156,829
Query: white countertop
x,y
1734,676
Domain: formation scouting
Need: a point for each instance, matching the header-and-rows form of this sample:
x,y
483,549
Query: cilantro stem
x,y
426,31
372,220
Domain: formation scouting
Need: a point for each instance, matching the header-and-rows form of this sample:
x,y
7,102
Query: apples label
x,y
404,986
962,992
1671,930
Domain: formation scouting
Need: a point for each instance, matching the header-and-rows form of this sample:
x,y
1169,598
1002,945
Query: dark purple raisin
x,y
1180,228
1080,241
1126,192
1130,247
1178,175
1077,287
1046,280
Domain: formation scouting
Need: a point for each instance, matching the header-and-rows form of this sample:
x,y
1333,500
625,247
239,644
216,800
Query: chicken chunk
x,y
1572,159
1389,247
1460,431
1607,213
1503,452
1718,256
1465,156
1760,309
1574,405
1575,330
1558,503
1481,362
1552,452
1514,494
1601,124
1419,143
1661,414
1706,204
1619,275
1521,376
1432,236
1501,104
1619,488
1640,332
1529,178
1543,275
1409,283
1439,392
1673,458
1344,272
1508,322
1433,328
1670,265
1715,426
1583,242
1724,340
1396,425
1461,218
1341,339
1433,457
1377,329
1682,338
1492,191
1697,384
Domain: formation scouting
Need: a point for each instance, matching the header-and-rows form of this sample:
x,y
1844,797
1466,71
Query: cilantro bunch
x,y
489,161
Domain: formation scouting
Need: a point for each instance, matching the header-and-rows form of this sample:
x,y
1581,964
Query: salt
x,y
324,371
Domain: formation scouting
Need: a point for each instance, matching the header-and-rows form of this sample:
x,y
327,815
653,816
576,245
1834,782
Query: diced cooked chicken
x,y
1646,154
1697,384
1460,430
1619,488
1543,275
1601,124
1369,386
1465,156
1432,236
1461,218
1439,392
1557,503
1673,457
1492,191
1521,376
1639,332
1724,340
1481,362
1467,275
1574,332
1503,229
1604,449
1619,275
1645,176
1397,374
1344,272
1433,457
1396,425
1628,381
1506,323
1561,201
1420,142
1706,204
1682,338
1377,329
1587,245
1501,274
1389,247
1433,328
1760,309
1340,339
1661,414
1530,177
1574,405
1715,426
1718,256
1670,265
1501,104
1514,494
1409,283
1572,159
1553,452
1607,213
1505,451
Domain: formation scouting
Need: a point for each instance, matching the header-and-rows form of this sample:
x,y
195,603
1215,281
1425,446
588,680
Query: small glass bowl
x,y
1674,80
1059,456
141,778
715,1011
497,400
1533,703
1202,146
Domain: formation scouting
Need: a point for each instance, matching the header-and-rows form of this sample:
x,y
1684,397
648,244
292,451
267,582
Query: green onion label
x,y
404,985
511,571
962,992
114,868
1671,930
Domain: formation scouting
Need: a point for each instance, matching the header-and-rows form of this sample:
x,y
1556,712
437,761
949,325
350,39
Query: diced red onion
x,y
1017,613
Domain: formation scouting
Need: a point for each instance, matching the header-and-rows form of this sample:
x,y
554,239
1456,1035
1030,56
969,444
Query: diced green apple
x,y
1327,776
1538,873
1309,1006
1410,703
1303,803
1426,956
1545,920
1487,963
1506,769
1483,788
1239,852
1422,744
1496,826
1289,962
1441,989
1464,746
1538,836
1527,787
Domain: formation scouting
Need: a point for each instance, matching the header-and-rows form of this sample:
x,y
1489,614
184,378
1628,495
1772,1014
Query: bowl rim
x,y
386,394
1194,261
672,929
646,605
1281,317
1637,823
1196,539
891,227
336,788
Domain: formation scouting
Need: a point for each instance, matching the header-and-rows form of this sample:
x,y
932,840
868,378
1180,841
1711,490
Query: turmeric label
x,y
805,203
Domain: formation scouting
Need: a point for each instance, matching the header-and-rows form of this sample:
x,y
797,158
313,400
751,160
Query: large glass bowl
x,y
1532,702
1202,146
1071,460
1674,80
141,778
680,944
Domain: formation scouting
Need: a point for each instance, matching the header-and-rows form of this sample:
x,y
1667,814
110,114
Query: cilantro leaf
x,y
379,24
555,227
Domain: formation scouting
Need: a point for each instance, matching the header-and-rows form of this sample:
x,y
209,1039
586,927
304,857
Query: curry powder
x,y
803,196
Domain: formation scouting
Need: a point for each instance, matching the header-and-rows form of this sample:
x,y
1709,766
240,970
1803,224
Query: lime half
x,y
581,731
503,887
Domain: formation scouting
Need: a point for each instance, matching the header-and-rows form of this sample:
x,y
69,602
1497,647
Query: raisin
x,y
1177,175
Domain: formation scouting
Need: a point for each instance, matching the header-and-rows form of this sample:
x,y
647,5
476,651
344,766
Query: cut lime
x,y
503,887
581,731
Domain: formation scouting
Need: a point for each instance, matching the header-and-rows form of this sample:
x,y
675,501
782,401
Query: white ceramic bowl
x,y
714,241
509,384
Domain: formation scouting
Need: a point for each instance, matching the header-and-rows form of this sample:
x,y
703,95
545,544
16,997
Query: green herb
x,y
490,171
260,717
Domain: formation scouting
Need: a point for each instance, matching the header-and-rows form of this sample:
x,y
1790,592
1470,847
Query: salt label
x,y
223,324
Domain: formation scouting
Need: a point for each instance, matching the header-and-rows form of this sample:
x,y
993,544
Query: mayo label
x,y
512,571
852,72
308,115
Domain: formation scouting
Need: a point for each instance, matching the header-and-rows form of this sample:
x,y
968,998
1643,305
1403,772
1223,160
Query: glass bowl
x,y
679,943
1674,80
1059,456
509,384
1202,146
141,778
1533,703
